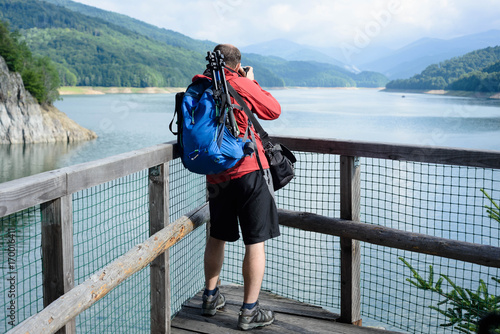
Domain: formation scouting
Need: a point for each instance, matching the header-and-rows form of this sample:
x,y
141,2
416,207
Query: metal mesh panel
x,y
21,267
438,200
301,265
109,220
187,192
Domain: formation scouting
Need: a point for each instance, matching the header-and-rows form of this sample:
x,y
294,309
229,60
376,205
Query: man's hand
x,y
248,73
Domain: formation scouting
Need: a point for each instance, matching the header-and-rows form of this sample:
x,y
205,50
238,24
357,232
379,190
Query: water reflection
x,y
20,160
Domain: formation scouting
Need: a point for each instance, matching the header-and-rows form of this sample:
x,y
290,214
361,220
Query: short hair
x,y
232,56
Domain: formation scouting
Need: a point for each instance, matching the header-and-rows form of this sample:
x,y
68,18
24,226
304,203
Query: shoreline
x,y
87,90
456,93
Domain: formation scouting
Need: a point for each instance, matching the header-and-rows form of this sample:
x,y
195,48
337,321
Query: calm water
x,y
128,122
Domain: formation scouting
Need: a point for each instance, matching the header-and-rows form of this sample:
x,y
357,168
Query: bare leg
x,y
214,257
254,265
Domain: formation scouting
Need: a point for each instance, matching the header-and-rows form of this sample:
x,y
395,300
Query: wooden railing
x,y
53,191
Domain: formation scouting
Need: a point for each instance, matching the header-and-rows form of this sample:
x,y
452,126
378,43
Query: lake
x,y
126,122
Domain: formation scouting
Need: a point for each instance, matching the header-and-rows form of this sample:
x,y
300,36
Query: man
x,y
242,193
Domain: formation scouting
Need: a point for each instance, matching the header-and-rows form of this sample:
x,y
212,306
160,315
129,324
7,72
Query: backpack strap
x,y
262,133
177,110
256,148
251,120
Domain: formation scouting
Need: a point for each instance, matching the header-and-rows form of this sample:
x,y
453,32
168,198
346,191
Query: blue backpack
x,y
206,144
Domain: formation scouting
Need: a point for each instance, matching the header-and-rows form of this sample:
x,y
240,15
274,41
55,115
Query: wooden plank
x,y
350,255
236,293
418,153
20,194
57,252
159,269
81,297
93,173
234,296
226,321
384,236
190,320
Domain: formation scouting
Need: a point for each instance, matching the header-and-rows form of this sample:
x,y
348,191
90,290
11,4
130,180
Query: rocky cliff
x,y
23,120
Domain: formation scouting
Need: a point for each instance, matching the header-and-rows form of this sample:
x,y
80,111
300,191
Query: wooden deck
x,y
290,317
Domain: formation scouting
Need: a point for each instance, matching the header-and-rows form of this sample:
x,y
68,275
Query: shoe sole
x,y
246,327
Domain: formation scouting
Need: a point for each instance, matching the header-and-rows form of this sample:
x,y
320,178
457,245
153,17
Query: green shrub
x,y
463,308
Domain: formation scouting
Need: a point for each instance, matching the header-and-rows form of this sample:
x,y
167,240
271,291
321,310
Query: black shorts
x,y
248,199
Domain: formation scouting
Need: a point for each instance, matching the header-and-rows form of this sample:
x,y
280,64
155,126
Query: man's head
x,y
232,56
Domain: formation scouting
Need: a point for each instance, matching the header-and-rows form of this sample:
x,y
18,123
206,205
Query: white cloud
x,y
316,22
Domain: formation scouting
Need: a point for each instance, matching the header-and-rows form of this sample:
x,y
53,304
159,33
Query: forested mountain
x,y
476,71
92,47
169,37
91,51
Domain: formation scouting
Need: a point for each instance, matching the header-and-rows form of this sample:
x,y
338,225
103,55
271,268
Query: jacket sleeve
x,y
261,102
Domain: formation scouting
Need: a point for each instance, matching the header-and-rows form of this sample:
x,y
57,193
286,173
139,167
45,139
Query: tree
x,y
39,74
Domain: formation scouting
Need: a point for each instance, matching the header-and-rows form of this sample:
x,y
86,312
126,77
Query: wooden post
x,y
350,257
57,252
160,267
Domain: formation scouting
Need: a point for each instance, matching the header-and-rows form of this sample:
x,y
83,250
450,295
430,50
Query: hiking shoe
x,y
256,317
212,303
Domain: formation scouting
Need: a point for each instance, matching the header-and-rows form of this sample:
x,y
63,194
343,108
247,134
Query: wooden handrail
x,y
417,153
385,236
77,300
26,192
29,191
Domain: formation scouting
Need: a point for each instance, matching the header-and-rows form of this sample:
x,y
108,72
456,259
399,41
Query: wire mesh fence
x,y
187,192
438,200
21,267
300,264
109,219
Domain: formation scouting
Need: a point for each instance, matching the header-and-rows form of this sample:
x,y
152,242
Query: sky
x,y
321,23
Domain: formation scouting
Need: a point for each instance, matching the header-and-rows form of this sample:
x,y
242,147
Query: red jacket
x,y
265,106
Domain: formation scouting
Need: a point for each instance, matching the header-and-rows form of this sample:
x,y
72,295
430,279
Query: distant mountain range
x,y
291,51
395,64
415,57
